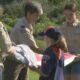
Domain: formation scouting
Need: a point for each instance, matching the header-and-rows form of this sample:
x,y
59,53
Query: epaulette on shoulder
x,y
22,26
23,29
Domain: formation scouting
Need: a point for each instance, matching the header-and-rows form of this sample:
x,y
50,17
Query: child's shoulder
x,y
49,52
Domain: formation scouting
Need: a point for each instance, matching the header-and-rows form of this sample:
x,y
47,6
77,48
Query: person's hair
x,y
55,37
33,7
62,43
71,7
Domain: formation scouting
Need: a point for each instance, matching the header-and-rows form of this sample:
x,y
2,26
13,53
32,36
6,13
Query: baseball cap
x,y
51,32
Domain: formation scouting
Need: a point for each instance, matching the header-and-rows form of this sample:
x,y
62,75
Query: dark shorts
x,y
73,68
14,70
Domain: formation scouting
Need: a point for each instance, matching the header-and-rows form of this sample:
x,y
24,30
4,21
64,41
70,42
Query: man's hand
x,y
12,50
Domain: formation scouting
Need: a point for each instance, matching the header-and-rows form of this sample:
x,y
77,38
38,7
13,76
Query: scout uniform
x,y
51,65
5,44
22,33
72,35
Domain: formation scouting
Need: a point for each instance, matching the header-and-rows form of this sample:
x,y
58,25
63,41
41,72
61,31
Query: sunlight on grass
x,y
33,75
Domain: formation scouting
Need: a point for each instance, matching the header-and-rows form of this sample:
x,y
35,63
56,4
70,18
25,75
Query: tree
x,y
6,1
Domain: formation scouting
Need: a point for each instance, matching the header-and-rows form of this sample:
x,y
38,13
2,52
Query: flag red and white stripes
x,y
68,58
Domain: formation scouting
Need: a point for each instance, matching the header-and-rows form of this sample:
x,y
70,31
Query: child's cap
x,y
51,32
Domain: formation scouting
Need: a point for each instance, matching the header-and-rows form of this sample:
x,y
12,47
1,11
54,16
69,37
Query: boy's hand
x,y
37,69
12,50
78,55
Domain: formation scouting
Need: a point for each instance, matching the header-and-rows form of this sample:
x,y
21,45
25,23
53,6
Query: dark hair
x,y
33,7
71,7
53,33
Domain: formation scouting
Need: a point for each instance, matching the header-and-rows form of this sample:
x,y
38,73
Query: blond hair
x,y
62,43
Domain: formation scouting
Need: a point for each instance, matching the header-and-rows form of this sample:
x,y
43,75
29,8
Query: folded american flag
x,y
68,58
24,54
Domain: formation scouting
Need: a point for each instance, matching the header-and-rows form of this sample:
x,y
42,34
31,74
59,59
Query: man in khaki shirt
x,y
5,43
72,35
71,31
22,33
5,46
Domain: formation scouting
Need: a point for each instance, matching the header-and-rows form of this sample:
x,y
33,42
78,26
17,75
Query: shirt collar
x,y
28,25
72,25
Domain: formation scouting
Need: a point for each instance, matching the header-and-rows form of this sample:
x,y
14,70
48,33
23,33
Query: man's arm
x,y
28,39
5,42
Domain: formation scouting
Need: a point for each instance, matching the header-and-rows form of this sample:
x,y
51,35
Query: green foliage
x,y
6,1
9,21
14,9
40,43
33,75
55,2
43,23
54,8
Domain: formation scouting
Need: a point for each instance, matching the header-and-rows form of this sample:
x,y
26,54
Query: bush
x,y
9,21
43,23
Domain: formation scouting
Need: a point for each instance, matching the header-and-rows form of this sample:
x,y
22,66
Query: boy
x,y
22,33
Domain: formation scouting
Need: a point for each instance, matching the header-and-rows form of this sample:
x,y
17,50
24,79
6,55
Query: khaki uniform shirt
x,y
72,35
5,42
22,33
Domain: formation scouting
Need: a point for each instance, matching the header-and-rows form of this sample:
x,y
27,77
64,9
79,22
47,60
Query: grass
x,y
40,43
33,75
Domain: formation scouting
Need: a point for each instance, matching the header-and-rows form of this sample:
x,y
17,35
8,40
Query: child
x,y
53,59
52,63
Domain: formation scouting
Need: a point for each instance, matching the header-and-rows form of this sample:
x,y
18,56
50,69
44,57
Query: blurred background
x,y
53,12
